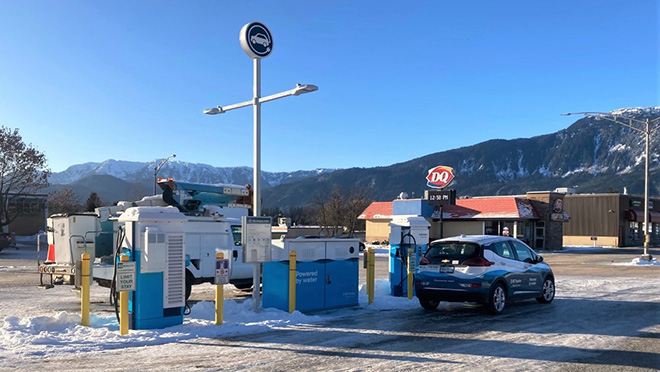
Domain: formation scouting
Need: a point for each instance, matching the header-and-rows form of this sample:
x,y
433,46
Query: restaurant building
x,y
537,218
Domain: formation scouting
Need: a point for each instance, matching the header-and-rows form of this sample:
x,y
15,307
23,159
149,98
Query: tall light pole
x,y
257,42
157,168
646,131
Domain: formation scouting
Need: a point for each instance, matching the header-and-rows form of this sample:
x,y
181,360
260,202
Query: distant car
x,y
260,39
5,240
361,246
491,270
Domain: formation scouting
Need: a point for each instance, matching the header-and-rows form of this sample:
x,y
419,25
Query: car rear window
x,y
452,251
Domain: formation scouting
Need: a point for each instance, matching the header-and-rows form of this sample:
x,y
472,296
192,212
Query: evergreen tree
x,y
92,202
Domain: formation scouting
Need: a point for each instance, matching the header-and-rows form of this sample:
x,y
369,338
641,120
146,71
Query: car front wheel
x,y
548,292
497,300
429,303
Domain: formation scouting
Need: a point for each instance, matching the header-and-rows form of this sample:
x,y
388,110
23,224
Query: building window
x,y
634,230
490,228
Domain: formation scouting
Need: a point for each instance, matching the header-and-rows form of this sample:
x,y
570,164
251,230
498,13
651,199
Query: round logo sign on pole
x,y
256,40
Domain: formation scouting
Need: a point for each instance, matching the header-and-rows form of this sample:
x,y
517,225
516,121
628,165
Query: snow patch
x,y
619,148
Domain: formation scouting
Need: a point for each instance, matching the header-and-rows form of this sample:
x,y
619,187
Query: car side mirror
x,y
539,259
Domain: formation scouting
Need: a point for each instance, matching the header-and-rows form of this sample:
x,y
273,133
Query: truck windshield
x,y
237,233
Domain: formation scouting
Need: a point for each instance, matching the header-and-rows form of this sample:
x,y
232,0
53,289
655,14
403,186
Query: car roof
x,y
478,239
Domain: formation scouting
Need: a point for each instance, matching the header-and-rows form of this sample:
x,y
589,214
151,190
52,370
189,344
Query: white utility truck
x,y
213,225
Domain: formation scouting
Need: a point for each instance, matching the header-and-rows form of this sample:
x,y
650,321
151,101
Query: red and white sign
x,y
439,177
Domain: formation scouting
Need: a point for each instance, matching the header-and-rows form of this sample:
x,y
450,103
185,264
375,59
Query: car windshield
x,y
451,252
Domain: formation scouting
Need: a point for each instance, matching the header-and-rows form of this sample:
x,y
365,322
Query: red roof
x,y
377,210
496,207
506,207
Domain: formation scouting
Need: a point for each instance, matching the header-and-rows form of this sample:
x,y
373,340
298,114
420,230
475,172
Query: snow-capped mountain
x,y
183,171
594,154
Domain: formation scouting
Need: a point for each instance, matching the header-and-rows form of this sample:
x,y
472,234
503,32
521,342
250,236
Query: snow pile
x,y
643,262
62,332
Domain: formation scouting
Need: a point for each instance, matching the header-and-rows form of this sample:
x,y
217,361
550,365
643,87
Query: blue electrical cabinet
x,y
406,232
327,273
342,271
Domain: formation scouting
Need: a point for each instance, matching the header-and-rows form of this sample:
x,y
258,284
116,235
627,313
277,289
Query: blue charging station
x,y
406,232
327,274
155,240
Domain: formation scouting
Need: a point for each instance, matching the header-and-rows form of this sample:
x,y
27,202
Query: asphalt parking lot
x,y
606,317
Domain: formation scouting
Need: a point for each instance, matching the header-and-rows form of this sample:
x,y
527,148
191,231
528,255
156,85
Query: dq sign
x,y
439,177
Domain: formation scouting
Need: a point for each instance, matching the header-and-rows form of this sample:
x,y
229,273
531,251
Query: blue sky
x,y
87,81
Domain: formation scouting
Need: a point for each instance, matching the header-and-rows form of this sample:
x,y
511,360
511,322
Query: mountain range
x,y
592,155
115,180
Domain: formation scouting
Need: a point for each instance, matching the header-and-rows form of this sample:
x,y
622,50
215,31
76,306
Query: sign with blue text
x,y
221,271
256,40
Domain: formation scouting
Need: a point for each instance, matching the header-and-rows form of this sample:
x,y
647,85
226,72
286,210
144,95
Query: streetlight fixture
x,y
256,103
157,168
298,90
647,134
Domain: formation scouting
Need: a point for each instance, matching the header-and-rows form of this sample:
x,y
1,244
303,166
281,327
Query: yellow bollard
x,y
371,273
366,266
366,263
292,282
84,290
123,306
219,297
410,274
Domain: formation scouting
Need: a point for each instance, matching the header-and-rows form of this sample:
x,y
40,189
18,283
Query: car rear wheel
x,y
429,303
497,300
548,291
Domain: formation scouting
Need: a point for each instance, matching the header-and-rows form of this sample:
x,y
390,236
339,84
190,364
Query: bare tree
x,y
356,203
299,216
22,170
63,201
337,213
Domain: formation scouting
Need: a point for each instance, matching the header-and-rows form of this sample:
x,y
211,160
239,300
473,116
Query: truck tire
x,y
246,287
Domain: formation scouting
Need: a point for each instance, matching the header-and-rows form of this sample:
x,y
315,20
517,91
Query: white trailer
x,y
69,236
